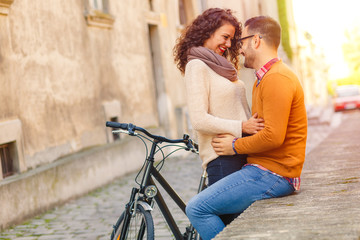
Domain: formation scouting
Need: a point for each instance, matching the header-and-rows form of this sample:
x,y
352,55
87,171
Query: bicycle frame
x,y
148,179
175,197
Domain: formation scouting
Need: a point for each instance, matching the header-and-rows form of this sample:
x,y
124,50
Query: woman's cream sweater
x,y
216,105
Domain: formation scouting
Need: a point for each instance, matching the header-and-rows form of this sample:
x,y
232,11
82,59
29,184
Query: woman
x,y
207,53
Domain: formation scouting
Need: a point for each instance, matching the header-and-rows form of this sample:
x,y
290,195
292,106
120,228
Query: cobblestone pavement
x,y
92,216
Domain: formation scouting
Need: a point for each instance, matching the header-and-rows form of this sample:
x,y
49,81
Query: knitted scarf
x,y
218,63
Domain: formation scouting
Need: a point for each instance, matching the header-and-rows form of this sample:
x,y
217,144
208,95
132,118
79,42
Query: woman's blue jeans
x,y
233,194
222,166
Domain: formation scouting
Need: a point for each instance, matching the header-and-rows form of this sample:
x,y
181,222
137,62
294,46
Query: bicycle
x,y
136,221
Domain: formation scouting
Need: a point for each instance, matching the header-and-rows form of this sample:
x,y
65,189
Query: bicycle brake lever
x,y
186,137
131,129
190,144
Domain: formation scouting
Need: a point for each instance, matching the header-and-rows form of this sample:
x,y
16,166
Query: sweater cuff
x,y
233,144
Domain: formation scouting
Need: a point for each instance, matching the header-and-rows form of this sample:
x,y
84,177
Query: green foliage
x,y
351,48
354,79
285,36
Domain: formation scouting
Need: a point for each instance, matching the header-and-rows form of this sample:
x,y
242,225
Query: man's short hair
x,y
266,27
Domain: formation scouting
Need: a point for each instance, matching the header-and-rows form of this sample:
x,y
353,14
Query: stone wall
x,y
59,73
26,195
67,67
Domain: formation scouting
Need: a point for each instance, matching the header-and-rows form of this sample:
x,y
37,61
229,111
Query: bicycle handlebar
x,y
131,128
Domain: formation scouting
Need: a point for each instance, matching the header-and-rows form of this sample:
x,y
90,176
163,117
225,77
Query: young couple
x,y
267,162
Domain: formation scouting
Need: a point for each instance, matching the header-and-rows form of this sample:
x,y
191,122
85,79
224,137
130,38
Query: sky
x,y
326,21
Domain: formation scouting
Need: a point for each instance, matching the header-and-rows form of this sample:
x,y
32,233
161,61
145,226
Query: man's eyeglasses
x,y
241,39
250,36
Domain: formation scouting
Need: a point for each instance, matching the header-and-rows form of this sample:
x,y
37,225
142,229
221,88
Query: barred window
x,y
7,164
116,136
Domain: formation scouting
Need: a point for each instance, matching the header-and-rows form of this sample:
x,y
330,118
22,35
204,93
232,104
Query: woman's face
x,y
221,39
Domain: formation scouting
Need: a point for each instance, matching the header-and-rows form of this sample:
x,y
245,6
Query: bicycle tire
x,y
134,227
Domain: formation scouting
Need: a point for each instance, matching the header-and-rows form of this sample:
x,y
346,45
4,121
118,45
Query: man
x,y
276,153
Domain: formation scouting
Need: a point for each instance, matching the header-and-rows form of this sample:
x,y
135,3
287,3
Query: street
x,y
92,216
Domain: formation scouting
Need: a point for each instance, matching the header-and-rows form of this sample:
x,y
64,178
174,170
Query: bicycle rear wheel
x,y
141,226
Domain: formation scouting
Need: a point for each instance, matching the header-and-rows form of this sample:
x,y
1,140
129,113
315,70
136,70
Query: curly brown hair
x,y
201,29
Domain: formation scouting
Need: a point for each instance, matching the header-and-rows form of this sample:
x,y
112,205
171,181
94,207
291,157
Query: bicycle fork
x,y
130,210
131,206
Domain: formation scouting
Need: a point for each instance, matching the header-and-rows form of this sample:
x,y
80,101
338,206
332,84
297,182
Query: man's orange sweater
x,y
280,146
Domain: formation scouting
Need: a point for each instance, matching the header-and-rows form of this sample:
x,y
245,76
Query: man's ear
x,y
256,40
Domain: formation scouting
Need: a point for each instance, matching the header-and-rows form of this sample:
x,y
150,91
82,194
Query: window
x,y
7,164
97,14
100,5
4,6
186,12
116,136
112,112
151,6
11,148
182,12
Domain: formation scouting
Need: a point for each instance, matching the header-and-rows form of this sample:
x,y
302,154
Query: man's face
x,y
246,50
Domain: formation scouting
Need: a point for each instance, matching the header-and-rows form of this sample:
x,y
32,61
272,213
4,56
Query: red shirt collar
x,y
264,69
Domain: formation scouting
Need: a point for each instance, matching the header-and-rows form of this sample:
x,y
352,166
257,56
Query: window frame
x,y
11,134
97,14
5,6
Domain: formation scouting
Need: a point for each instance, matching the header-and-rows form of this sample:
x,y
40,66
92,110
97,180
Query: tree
x,y
351,48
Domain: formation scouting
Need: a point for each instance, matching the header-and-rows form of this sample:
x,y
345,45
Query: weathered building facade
x,y
67,67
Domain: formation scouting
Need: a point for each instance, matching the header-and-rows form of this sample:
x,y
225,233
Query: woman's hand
x,y
253,125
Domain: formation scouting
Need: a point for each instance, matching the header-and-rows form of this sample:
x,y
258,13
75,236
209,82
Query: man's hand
x,y
222,144
253,125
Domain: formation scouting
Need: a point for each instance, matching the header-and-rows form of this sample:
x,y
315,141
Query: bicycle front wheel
x,y
140,227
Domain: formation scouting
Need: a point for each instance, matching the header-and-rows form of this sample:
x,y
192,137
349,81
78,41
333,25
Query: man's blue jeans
x,y
233,194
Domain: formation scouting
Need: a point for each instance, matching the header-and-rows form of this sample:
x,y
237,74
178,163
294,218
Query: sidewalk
x,y
328,204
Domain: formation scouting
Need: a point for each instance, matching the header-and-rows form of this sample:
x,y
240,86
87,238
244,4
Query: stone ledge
x,y
25,195
327,207
97,18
